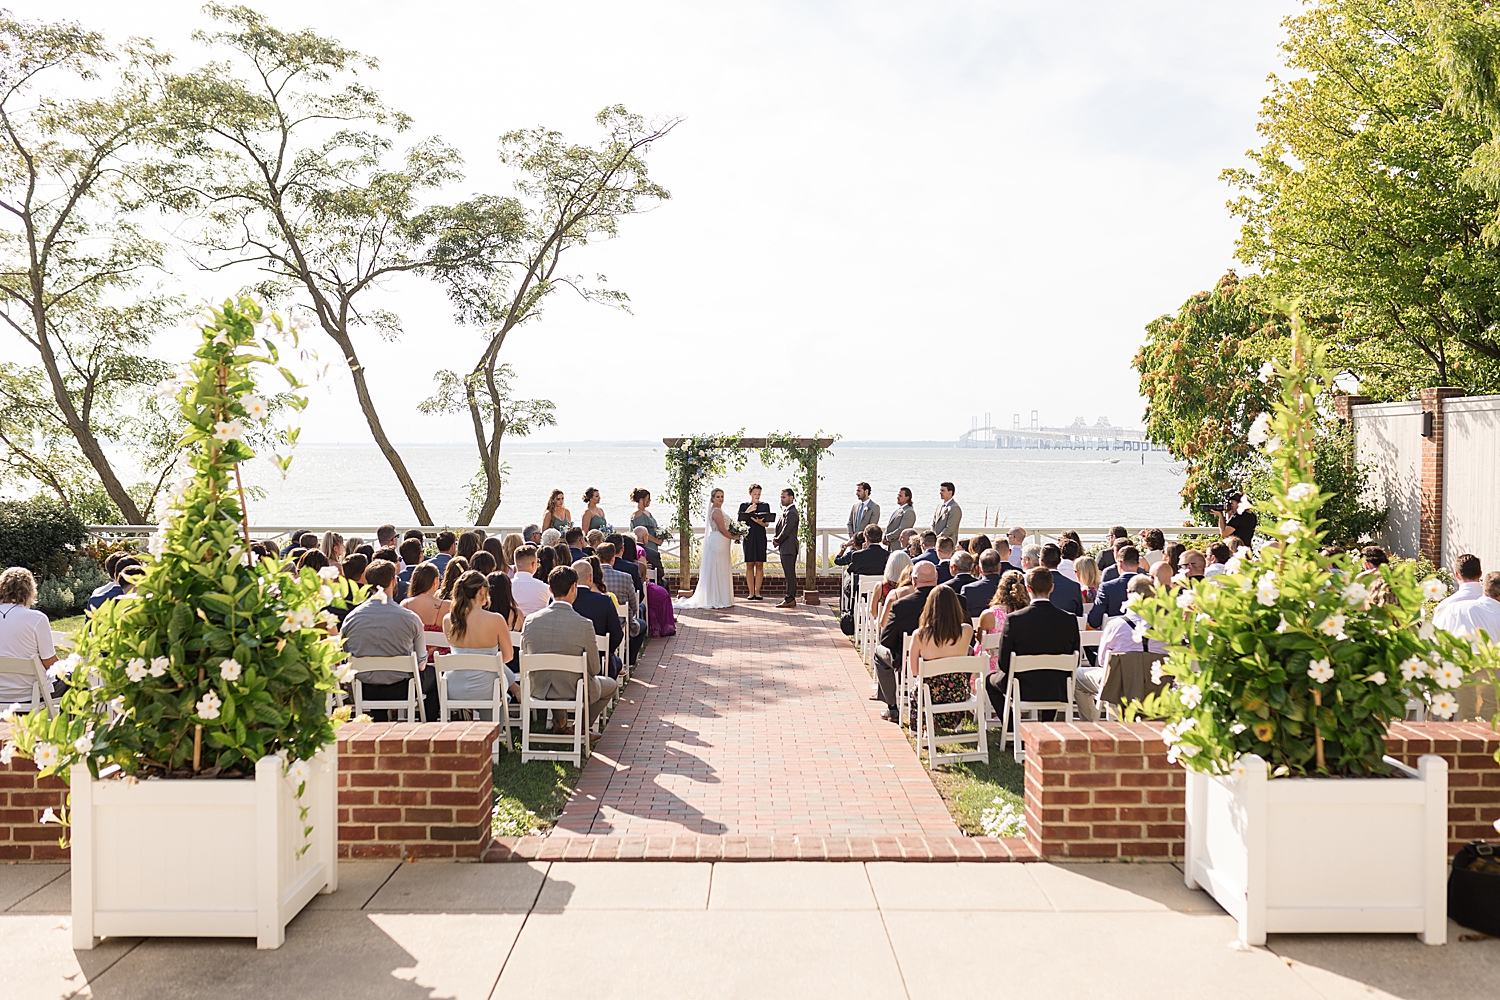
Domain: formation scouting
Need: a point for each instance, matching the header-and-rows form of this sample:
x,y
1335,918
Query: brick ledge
x,y
731,847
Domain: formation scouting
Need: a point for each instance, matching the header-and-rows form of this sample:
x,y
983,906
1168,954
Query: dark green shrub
x,y
41,534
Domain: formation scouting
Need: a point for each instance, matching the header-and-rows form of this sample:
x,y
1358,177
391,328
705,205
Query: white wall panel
x,y
1388,441
1471,479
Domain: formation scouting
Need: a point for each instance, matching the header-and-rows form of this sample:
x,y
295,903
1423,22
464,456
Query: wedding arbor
x,y
693,461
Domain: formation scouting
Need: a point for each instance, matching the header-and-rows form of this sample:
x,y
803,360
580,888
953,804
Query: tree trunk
x,y
367,404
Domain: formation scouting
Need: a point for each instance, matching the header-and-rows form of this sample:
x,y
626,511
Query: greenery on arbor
x,y
783,450
1205,375
567,196
217,659
691,464
72,262
1301,659
1360,203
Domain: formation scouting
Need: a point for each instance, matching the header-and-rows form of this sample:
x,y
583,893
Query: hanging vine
x,y
783,451
691,464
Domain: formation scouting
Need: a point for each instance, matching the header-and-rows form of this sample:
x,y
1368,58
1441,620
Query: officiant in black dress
x,y
756,516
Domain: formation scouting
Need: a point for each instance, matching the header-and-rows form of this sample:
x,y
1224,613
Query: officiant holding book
x,y
755,516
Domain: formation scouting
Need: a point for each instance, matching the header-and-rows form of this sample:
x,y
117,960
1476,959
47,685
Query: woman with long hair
x,y
425,601
546,561
1088,577
643,518
942,631
468,544
556,515
496,548
593,514
503,601
471,628
332,546
512,542
483,562
457,567
1010,595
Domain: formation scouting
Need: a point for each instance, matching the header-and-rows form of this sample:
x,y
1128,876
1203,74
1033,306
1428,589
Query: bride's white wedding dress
x,y
715,577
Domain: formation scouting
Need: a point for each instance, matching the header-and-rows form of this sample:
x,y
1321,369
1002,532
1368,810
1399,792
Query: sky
x,y
887,219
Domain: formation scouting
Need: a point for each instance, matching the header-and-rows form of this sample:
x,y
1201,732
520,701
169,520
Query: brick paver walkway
x,y
754,722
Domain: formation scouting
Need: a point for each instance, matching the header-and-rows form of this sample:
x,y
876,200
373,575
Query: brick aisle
x,y
754,722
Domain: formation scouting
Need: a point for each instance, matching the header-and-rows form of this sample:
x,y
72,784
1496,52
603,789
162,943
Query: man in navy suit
x,y
633,570
945,549
599,610
978,594
1111,599
1066,594
574,538
929,548
1038,629
961,565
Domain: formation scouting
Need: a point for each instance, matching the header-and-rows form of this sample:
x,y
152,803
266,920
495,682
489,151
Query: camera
x,y
1229,504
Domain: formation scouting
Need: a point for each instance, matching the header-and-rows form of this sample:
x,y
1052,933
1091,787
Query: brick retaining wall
x,y
406,790
1105,790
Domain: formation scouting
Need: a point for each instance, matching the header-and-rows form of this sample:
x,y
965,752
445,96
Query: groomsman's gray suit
x,y
785,537
859,520
946,518
902,517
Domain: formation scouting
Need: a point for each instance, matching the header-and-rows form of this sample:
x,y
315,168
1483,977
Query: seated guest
x,y
629,567
1072,551
914,547
574,537
457,567
592,540
1174,551
1218,555
1037,630
895,563
961,565
929,553
550,538
511,542
116,587
386,537
847,550
381,627
24,633
483,563
352,544
562,555
1111,599
1088,578
1470,608
1162,573
367,550
425,603
389,555
620,584
977,595
902,616
445,542
593,602
1106,559
546,560
496,548
110,587
531,593
308,540
1155,543
1017,539
1010,595
558,628
531,535
946,546
1122,634
1193,565
978,544
312,559
1470,575
472,628
943,631
414,533
1066,593
411,555
652,554
332,546
1031,558
468,544
352,568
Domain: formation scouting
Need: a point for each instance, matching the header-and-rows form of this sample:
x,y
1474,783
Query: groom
x,y
786,544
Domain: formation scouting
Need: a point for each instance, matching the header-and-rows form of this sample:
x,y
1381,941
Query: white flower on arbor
x,y
159,665
1332,625
1449,675
1320,671
228,430
1191,696
1260,429
1434,590
45,754
84,743
255,407
1377,678
208,705
135,670
1444,705
1413,669
230,669
1356,594
1300,491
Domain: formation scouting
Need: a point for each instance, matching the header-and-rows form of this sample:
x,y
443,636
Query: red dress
x,y
434,650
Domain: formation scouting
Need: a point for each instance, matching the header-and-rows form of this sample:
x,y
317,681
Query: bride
x,y
715,579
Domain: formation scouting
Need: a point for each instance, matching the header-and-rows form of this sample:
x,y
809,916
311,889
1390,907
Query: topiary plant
x,y
218,658
1300,658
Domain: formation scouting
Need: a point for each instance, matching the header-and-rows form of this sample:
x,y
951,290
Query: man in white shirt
x,y
1122,634
1017,539
1467,618
1218,556
1470,588
531,594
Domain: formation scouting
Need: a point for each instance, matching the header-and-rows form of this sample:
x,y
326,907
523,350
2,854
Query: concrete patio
x,y
663,930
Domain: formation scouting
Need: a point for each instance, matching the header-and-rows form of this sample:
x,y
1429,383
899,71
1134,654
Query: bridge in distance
x,y
1078,436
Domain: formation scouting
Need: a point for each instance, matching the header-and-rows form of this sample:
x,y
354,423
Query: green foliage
x,y
1359,203
1286,655
67,593
691,464
41,534
782,450
217,659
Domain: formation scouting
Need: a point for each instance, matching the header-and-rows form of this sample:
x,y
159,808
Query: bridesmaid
x,y
643,518
593,514
755,514
556,515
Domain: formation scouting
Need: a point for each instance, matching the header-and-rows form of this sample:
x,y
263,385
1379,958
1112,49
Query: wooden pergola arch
x,y
810,510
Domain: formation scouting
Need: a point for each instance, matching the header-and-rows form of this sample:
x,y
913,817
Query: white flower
x,y
208,706
230,670
1237,728
1444,705
48,816
1332,625
1300,491
325,592
229,430
1266,592
1320,671
1238,769
1267,372
1139,632
1434,589
45,755
1425,631
344,672
1377,678
1233,565
1412,668
1131,602
1356,593
1191,696
6,753
298,771
1289,527
159,665
1449,675
1156,673
135,670
1173,752
64,668
1185,599
1189,749
1273,445
328,573
10,712
84,743
1260,429
256,407
1282,626
117,705
221,338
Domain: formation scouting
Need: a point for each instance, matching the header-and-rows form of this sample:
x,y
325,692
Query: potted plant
x,y
1287,671
195,730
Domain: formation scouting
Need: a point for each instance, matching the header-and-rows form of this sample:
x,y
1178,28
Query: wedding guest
x,y
503,600
1066,593
556,515
929,552
1017,539
1111,599
1031,558
457,567
1193,565
977,545
496,548
411,555
943,631
472,628
1162,573
308,540
381,627
977,595
903,518
1218,555
558,628
483,563
573,539
903,616
1071,550
1088,578
652,559
512,542
903,588
1174,551
592,540
468,544
895,564
619,583
1106,559
1010,595
353,543
1038,629
352,568
445,542
1113,570
531,534
865,511
312,559
332,546
1119,636
948,516
629,567
593,514
530,592
915,549
756,516
546,561
961,565
113,589
550,538
562,555
593,603
1154,542
24,633
385,536
425,602
945,548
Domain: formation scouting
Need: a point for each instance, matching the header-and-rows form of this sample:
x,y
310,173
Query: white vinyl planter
x,y
1318,855
204,858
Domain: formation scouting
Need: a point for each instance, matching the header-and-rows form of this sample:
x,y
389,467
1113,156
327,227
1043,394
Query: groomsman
x,y
946,518
865,512
902,518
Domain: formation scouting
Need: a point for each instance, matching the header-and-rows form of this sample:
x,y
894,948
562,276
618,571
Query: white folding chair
x,y
974,667
872,630
533,663
903,688
435,640
41,685
1088,636
989,647
1015,707
412,705
867,585
498,704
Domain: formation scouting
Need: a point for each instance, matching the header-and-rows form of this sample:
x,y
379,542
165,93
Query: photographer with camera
x,y
1241,523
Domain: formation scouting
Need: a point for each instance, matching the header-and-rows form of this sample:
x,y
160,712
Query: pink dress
x,y
659,611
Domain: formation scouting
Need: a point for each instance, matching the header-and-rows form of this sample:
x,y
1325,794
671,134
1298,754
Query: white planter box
x,y
1317,855
201,858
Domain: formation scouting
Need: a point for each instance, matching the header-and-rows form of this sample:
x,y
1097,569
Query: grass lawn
x,y
529,797
970,788
68,624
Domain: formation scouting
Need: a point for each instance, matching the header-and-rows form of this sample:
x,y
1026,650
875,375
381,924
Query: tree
x,y
1355,205
71,254
295,178
569,195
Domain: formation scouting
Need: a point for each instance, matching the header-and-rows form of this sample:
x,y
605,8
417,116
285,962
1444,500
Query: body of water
x,y
353,485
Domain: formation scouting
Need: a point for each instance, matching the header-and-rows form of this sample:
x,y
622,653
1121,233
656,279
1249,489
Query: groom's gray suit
x,y
785,538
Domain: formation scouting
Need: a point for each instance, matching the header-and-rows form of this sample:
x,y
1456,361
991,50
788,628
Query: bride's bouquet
x,y
738,529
